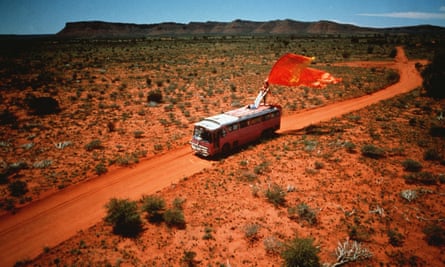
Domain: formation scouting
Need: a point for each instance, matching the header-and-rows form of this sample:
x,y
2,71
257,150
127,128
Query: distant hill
x,y
100,29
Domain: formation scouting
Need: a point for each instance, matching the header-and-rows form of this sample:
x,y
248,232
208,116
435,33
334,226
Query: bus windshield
x,y
202,134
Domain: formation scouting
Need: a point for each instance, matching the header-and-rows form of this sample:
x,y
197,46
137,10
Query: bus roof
x,y
214,122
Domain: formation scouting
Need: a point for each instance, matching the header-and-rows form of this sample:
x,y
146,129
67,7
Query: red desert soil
x,y
51,220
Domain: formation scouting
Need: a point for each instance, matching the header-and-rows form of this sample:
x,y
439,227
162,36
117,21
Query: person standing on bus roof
x,y
265,90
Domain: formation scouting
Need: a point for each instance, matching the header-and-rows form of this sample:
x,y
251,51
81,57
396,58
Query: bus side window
x,y
235,126
243,124
223,132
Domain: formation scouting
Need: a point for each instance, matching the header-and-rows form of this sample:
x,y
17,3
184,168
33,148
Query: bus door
x,y
216,137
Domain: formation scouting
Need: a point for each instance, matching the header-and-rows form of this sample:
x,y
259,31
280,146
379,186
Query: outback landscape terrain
x,y
118,117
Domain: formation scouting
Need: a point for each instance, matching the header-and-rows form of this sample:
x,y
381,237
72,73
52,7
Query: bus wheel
x,y
225,149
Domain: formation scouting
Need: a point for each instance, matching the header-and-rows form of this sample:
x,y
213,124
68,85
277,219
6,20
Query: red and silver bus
x,y
226,131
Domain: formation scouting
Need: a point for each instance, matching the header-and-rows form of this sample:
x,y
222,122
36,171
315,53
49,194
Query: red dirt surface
x,y
55,218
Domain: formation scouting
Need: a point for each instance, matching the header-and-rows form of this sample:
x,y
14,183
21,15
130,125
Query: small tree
x,y
123,215
434,76
301,252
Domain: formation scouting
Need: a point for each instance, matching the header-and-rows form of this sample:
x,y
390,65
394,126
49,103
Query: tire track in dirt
x,y
51,220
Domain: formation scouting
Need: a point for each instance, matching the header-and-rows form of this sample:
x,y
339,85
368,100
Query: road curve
x,y
51,220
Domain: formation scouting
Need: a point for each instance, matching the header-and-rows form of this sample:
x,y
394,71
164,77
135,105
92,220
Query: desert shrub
x,y
395,238
18,188
272,245
392,77
208,233
393,53
94,144
275,194
434,76
350,146
426,178
359,232
138,134
432,155
42,164
411,165
154,206
402,259
155,96
42,105
300,252
123,215
100,168
263,167
437,131
306,213
372,151
435,235
178,203
251,232
188,259
174,218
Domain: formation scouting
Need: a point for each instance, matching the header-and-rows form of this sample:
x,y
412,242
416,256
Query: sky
x,y
50,16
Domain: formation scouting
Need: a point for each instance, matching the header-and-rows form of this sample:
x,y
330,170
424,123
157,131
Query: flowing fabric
x,y
292,70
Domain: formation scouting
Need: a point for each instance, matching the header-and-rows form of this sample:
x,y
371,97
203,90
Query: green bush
x,y
155,96
188,259
94,144
412,165
300,252
306,213
174,218
100,168
395,238
154,206
372,151
18,188
276,195
123,215
426,178
432,155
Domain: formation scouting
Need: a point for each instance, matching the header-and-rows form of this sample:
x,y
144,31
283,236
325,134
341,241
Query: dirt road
x,y
49,221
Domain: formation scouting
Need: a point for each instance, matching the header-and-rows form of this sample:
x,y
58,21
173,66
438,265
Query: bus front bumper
x,y
199,149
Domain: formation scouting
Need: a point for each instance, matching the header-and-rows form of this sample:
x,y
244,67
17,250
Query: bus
x,y
221,133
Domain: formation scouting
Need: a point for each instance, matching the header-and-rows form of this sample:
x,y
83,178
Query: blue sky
x,y
50,16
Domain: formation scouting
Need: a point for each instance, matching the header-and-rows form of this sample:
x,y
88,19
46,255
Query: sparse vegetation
x,y
315,166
